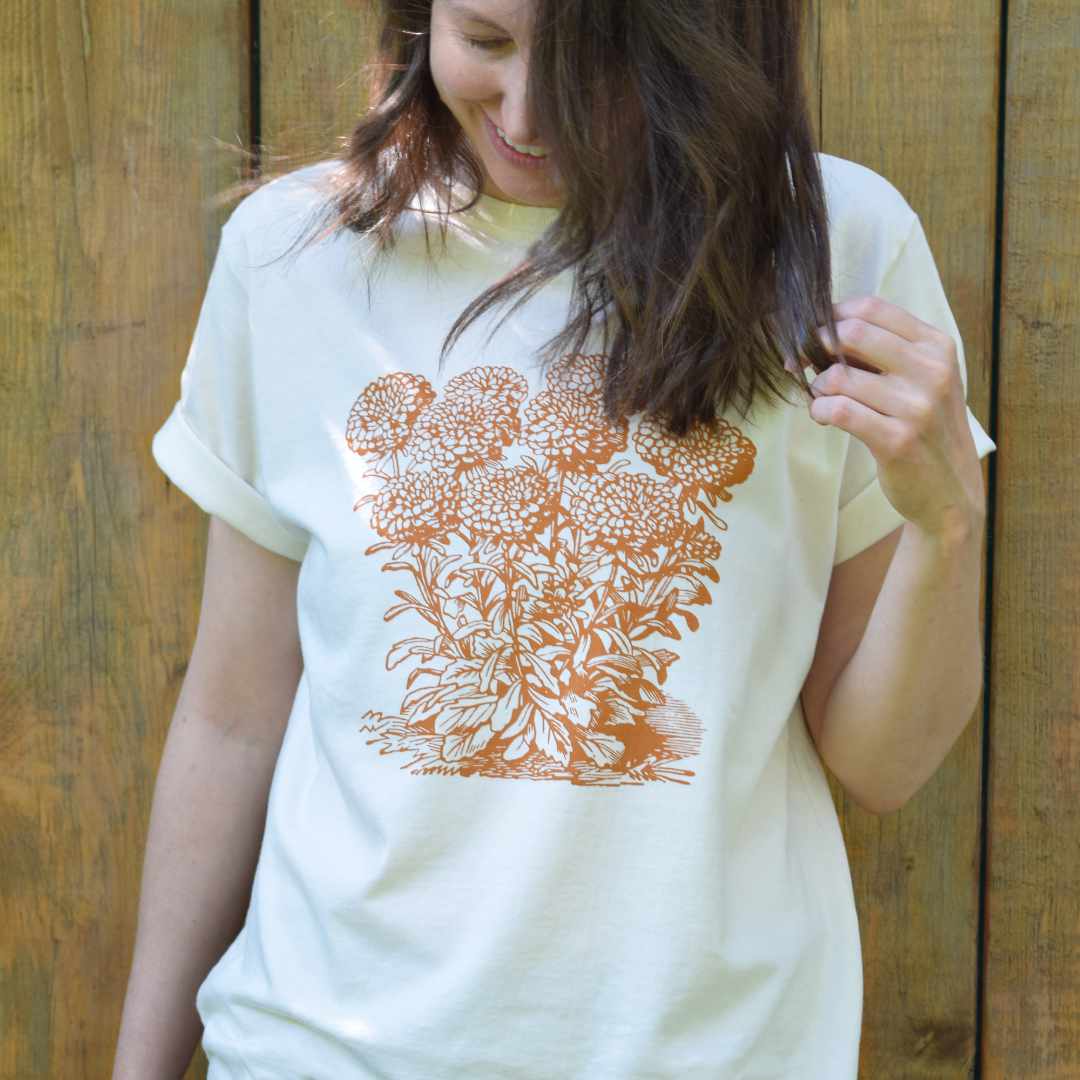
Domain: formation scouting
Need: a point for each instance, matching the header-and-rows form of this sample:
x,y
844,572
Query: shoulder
x,y
869,220
856,192
270,216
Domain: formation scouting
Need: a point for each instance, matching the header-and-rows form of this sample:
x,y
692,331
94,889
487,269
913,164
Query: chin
x,y
505,188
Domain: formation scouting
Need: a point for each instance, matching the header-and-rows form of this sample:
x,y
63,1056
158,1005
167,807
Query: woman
x,y
559,644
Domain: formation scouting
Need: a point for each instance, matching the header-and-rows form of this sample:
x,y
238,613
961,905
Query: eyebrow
x,y
467,12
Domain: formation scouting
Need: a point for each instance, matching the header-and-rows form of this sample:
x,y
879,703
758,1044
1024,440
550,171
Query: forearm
x,y
910,688
206,826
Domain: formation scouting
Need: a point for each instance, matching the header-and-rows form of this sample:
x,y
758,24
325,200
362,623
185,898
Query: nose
x,y
514,109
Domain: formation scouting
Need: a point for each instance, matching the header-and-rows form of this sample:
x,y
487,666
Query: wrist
x,y
960,532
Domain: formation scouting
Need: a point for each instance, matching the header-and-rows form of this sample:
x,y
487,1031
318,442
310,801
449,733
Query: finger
x,y
879,432
887,396
887,315
873,345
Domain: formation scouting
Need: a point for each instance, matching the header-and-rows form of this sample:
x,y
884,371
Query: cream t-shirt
x,y
546,805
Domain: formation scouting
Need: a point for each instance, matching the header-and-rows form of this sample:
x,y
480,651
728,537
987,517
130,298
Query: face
x,y
479,56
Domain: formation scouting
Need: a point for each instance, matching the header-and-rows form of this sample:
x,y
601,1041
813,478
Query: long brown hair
x,y
705,250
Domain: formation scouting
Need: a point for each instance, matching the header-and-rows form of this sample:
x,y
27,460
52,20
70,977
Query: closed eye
x,y
486,43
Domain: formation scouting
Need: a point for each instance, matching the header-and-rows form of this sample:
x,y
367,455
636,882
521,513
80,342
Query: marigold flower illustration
x,y
708,459
501,388
510,505
583,373
539,579
696,544
416,506
559,596
383,413
569,428
476,419
620,510
458,434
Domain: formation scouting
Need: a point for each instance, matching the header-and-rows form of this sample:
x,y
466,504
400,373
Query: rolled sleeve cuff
x,y
869,516
214,487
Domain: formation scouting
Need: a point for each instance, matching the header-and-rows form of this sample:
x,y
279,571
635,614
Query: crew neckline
x,y
516,222
514,219
495,218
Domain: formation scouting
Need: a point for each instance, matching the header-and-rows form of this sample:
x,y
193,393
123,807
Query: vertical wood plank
x,y
909,90
1032,959
313,84
107,245
109,240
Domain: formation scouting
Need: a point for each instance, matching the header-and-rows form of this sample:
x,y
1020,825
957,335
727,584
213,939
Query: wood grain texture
x,y
1032,958
109,232
909,90
314,86
107,244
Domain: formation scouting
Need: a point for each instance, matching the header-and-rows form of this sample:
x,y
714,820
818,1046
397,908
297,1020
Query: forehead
x,y
498,14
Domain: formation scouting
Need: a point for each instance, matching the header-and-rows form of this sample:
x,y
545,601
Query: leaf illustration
x,y
667,605
541,675
601,749
414,646
506,708
552,738
517,749
471,566
417,672
456,747
582,651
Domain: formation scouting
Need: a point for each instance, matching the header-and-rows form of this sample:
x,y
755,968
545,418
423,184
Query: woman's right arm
x,y
209,805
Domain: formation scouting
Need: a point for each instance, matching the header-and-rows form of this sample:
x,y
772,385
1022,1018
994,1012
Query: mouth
x,y
534,160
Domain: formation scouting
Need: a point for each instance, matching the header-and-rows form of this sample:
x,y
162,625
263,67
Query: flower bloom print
x,y
541,578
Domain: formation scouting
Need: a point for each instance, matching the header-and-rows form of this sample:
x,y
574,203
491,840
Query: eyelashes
x,y
487,44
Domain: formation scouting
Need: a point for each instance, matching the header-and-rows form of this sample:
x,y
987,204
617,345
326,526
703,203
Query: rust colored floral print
x,y
543,564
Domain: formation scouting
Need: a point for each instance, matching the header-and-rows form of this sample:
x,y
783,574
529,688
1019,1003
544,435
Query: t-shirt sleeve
x,y
209,444
911,281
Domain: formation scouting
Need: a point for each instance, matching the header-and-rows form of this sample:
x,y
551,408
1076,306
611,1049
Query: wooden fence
x,y
969,898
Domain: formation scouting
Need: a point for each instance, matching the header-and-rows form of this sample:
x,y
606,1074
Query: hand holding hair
x,y
910,412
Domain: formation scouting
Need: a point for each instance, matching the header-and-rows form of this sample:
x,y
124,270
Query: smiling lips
x,y
534,151
531,158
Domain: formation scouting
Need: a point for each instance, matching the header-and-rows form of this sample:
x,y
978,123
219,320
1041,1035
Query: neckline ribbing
x,y
513,222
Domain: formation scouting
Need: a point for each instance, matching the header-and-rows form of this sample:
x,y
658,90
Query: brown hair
x,y
706,248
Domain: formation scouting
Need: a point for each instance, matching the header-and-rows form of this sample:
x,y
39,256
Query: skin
x,y
481,68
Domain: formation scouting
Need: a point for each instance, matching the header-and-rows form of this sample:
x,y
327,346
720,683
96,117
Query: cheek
x,y
456,75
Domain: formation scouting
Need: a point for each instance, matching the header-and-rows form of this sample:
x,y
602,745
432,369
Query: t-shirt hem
x,y
866,519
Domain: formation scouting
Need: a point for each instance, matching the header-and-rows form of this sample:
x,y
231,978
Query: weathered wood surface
x,y
1032,954
105,248
910,90
110,228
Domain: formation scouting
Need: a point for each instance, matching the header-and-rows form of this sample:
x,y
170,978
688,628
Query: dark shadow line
x,y
255,85
991,503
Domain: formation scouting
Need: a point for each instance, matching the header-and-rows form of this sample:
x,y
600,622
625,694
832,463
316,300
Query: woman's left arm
x,y
909,689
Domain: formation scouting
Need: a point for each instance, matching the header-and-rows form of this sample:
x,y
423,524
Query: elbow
x,y
869,793
879,802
